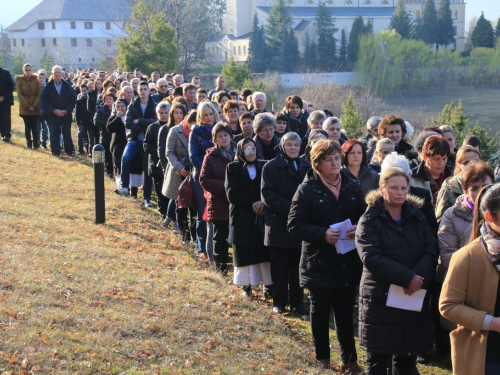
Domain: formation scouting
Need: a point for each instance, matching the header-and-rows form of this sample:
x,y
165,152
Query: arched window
x,y
239,50
244,50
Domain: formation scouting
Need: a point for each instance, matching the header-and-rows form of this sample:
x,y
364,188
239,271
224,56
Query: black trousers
x,y
163,201
108,158
221,247
5,121
285,275
376,364
187,229
341,301
31,130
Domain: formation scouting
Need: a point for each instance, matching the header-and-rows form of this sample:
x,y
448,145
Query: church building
x,y
240,13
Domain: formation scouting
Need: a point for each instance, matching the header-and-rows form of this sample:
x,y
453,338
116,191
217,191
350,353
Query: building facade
x,y
75,33
240,13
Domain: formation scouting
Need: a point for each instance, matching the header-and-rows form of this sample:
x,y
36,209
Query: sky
x,y
11,11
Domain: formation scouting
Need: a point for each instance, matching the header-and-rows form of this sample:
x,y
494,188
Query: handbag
x,y
185,194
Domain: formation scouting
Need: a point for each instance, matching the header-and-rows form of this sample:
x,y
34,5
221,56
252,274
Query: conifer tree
x,y
351,119
257,48
483,35
343,49
427,28
327,44
309,57
291,53
446,30
497,30
46,62
401,21
358,28
278,23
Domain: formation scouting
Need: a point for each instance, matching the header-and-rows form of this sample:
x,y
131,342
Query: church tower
x,y
239,17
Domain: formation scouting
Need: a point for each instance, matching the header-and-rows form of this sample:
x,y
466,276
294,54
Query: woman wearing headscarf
x,y
246,218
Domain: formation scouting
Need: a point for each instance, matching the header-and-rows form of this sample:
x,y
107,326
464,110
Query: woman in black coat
x,y
280,179
328,196
116,127
398,250
101,118
246,218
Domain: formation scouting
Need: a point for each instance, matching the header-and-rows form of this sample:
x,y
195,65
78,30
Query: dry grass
x,y
124,297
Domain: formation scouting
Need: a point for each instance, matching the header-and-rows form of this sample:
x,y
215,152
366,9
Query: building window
x,y
455,14
234,50
53,24
22,42
41,25
54,42
73,42
348,2
239,50
108,25
108,42
89,42
88,25
93,59
43,42
79,59
13,42
329,2
368,2
73,24
244,50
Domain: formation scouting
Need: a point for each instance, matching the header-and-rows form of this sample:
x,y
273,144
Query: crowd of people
x,y
300,205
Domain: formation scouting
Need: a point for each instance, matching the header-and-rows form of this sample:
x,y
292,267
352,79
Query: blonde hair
x,y
382,142
201,108
459,159
392,172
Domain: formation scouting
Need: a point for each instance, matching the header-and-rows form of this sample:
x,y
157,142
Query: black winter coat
x,y
299,125
150,146
279,184
116,127
52,100
368,179
314,209
6,88
162,146
394,254
92,103
242,192
426,208
82,115
101,118
134,112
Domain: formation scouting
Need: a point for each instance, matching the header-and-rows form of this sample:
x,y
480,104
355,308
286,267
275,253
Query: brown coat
x,y
29,93
469,293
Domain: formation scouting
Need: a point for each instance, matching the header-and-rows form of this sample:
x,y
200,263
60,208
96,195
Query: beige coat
x,y
469,293
177,153
454,230
29,93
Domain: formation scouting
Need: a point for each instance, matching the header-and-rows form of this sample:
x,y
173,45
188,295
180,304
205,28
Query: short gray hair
x,y
56,67
330,121
394,160
315,115
160,81
261,120
373,121
254,95
163,105
292,136
447,129
409,129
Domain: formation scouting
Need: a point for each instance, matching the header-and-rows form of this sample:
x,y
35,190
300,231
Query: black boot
x,y
267,290
247,290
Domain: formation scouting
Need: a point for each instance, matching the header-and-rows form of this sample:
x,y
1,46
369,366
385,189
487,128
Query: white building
x,y
240,13
75,33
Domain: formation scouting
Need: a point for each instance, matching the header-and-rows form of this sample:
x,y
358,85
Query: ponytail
x,y
488,199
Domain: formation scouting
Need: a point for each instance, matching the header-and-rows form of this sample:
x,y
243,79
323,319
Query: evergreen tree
x,y
483,35
446,30
257,48
278,23
401,21
46,62
351,119
358,28
427,28
309,58
497,30
327,44
150,43
235,74
343,49
291,53
19,61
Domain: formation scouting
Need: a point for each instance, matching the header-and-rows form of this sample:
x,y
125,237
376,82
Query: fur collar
x,y
373,196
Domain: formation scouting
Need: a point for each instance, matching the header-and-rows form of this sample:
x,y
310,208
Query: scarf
x,y
334,187
434,186
229,154
240,152
491,244
469,203
186,128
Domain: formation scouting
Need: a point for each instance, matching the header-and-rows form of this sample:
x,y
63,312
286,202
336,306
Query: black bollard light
x,y
98,161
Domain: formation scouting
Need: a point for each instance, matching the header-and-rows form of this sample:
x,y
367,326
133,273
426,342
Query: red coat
x,y
212,178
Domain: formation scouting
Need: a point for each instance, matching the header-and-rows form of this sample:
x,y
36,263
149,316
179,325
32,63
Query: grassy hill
x,y
124,297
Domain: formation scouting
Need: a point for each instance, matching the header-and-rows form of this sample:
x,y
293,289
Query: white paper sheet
x,y
398,299
343,245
